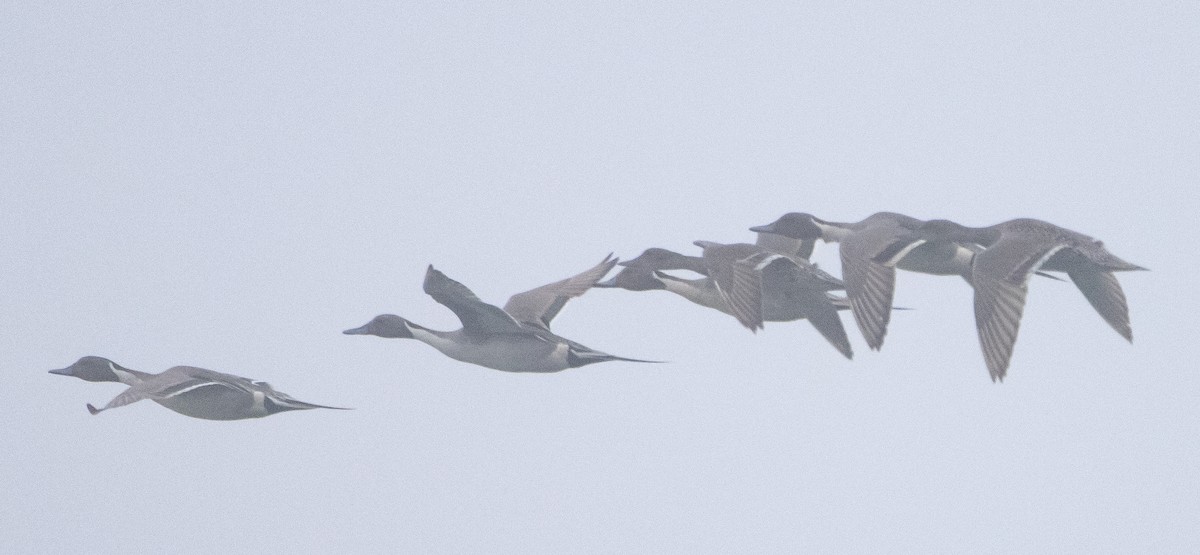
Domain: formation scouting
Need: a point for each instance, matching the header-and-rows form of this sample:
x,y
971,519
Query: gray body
x,y
749,282
870,250
188,390
527,350
1014,251
743,272
777,307
516,338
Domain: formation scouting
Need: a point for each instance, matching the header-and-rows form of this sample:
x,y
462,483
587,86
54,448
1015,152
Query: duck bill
x,y
361,330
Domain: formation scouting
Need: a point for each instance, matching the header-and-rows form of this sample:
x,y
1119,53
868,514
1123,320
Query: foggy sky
x,y
231,185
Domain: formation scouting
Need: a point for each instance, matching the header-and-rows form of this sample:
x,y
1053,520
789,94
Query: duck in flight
x,y
1013,251
755,284
870,257
776,305
188,390
516,338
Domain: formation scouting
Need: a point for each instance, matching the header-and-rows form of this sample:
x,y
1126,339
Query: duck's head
x,y
634,278
797,225
385,325
93,369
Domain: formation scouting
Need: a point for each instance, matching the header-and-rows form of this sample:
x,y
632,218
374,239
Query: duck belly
x,y
509,353
216,403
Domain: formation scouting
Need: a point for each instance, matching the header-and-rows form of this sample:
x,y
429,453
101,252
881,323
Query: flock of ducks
x,y
769,281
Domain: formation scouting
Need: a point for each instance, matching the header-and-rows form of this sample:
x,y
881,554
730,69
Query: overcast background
x,y
231,185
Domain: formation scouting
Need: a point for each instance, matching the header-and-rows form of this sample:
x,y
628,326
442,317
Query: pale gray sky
x,y
231,185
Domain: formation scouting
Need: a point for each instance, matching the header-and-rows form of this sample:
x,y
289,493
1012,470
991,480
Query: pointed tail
x,y
579,357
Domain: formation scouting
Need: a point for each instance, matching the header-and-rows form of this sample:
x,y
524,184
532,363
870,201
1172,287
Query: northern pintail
x,y
645,278
516,338
645,273
188,390
746,276
1013,251
869,257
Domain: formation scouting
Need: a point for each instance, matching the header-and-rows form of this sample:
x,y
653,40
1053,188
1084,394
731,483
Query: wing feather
x,y
1105,295
870,284
478,317
539,306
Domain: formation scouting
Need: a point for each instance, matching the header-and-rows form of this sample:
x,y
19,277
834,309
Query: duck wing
x,y
477,317
822,314
537,307
173,382
1105,295
868,258
737,272
134,394
1000,275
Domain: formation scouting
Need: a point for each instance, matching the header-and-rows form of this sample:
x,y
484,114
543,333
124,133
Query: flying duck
x,y
646,274
870,254
516,338
749,278
1015,250
188,390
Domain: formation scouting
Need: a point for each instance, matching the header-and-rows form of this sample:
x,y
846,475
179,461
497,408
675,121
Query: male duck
x,y
870,255
188,390
1015,250
645,273
516,338
750,278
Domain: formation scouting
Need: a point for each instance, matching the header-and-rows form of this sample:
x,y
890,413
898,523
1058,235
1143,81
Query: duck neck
x,y
833,232
127,376
691,263
986,236
699,291
450,343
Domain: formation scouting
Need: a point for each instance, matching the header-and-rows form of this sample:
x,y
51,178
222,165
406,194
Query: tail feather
x,y
577,358
280,403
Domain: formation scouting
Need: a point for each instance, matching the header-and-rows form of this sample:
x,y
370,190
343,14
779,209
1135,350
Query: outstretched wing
x,y
1000,275
173,382
1104,293
822,314
134,394
871,282
537,307
477,316
737,271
